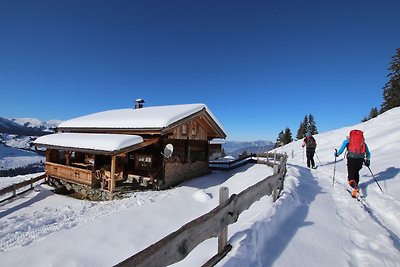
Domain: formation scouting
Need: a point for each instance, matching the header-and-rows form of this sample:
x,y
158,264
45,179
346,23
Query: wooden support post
x,y
223,235
112,178
68,158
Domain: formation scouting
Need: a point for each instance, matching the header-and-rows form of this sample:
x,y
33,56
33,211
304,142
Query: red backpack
x,y
356,147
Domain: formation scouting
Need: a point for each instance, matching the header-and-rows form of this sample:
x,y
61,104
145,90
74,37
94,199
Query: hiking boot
x,y
354,192
352,183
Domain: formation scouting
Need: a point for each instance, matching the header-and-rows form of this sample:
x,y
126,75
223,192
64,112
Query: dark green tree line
x,y
284,137
391,90
308,125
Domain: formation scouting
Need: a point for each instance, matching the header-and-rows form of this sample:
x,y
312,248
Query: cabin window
x,y
194,128
144,161
184,129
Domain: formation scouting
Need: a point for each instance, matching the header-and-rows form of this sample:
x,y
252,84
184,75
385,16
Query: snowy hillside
x,y
313,223
11,158
16,136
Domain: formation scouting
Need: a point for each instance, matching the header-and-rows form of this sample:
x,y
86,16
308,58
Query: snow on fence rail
x,y
14,187
177,245
252,158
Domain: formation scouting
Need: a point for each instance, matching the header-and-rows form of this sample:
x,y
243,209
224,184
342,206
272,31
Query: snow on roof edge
x,y
156,117
92,141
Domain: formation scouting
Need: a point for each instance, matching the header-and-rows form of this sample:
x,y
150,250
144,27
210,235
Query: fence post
x,y
223,235
31,183
275,192
14,190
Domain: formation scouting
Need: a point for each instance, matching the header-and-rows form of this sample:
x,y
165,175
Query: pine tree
x,y
312,127
301,132
307,126
284,137
372,114
287,136
279,140
391,90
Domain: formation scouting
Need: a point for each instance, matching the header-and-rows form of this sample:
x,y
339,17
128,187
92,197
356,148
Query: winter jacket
x,y
344,146
309,143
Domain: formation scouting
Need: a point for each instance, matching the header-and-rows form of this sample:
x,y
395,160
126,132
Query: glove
x,y
367,162
336,154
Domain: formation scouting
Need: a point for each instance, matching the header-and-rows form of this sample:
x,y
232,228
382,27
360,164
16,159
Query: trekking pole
x,y
318,158
334,169
375,179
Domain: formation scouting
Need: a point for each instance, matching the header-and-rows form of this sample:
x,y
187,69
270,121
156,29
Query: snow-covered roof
x,y
99,142
217,141
156,117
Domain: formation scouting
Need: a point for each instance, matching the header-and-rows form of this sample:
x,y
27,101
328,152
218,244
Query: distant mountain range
x,y
19,133
27,126
235,148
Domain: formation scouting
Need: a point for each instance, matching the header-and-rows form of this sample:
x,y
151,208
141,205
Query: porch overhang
x,y
103,144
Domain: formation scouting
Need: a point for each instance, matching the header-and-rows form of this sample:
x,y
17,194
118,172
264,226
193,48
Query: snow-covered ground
x,y
315,222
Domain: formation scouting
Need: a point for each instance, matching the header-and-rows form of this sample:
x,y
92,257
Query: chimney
x,y
139,103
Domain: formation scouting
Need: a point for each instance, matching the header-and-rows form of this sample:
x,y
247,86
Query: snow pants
x,y
354,166
310,157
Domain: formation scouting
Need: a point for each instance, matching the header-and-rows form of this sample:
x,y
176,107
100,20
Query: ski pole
x,y
318,158
334,169
375,179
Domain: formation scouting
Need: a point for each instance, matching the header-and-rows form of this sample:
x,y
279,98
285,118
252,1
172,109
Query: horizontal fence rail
x,y
14,187
177,245
265,158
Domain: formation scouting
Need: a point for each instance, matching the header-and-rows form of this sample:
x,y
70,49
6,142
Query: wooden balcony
x,y
72,174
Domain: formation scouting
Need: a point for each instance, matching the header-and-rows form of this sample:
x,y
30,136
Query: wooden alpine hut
x,y
150,147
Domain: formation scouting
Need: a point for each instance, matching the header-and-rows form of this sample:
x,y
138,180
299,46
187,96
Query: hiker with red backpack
x,y
310,144
357,154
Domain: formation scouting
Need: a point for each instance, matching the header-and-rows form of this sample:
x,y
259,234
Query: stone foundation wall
x,y
177,172
79,191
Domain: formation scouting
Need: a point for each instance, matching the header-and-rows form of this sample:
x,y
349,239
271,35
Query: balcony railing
x,y
72,174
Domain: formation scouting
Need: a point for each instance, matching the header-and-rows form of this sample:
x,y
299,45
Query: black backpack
x,y
310,142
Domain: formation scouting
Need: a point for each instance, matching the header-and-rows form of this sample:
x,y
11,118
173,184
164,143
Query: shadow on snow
x,y
388,174
40,196
283,226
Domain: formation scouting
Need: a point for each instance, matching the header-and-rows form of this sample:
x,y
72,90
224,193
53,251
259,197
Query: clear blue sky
x,y
260,66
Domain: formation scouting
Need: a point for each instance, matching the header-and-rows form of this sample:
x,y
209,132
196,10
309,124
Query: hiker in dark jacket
x,y
310,144
355,159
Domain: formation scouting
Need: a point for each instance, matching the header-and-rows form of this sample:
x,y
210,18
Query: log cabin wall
x,y
192,130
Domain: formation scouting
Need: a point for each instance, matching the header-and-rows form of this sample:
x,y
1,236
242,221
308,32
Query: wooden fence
x,y
14,187
177,245
265,158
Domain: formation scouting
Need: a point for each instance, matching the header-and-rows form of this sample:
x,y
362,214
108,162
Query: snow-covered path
x,y
316,223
